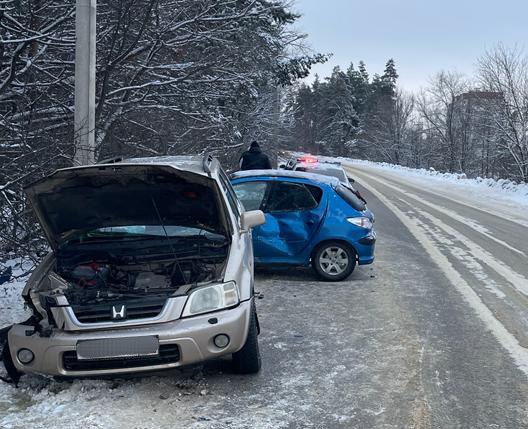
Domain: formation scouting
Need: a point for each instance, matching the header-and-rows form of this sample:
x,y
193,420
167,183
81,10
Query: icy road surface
x,y
433,335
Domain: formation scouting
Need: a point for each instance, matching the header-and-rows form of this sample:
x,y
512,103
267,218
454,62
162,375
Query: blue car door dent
x,y
287,234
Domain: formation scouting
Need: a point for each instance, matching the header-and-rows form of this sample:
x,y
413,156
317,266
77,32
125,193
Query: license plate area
x,y
111,348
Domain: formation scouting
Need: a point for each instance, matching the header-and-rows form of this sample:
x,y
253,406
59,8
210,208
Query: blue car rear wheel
x,y
334,261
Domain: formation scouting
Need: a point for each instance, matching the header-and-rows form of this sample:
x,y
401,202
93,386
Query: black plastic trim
x,y
168,353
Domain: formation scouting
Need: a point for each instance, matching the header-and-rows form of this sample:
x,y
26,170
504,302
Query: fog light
x,y
221,341
25,356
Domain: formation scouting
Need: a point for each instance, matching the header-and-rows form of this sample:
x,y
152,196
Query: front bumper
x,y
193,336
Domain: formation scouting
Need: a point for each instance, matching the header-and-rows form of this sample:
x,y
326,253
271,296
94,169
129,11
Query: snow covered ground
x,y
11,304
287,391
518,191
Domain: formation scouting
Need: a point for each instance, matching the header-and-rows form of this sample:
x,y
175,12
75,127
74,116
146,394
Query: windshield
x,y
150,230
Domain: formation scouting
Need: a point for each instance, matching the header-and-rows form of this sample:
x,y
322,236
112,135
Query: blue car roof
x,y
288,174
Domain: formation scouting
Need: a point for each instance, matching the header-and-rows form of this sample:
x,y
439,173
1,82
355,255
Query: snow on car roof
x,y
192,163
328,180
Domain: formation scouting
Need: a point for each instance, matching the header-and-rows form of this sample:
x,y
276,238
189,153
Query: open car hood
x,y
72,201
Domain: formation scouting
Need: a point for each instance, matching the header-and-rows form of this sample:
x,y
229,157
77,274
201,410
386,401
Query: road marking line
x,y
503,336
466,258
517,280
471,223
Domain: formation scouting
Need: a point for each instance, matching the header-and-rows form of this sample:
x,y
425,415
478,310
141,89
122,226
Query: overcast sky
x,y
423,36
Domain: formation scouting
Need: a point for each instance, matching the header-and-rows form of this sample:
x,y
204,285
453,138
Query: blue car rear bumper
x,y
365,249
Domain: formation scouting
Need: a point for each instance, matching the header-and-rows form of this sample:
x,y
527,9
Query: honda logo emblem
x,y
118,312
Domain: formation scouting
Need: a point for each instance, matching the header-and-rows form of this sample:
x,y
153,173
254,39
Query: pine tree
x,y
359,87
341,120
380,113
390,76
363,72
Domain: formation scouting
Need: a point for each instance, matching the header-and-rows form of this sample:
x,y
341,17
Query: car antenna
x,y
168,239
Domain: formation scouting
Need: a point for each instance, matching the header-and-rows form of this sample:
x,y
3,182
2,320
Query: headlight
x,y
211,298
363,222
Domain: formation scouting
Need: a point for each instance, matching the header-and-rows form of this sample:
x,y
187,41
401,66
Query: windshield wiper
x,y
94,239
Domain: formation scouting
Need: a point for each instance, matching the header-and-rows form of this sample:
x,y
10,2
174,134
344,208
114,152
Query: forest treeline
x,y
477,125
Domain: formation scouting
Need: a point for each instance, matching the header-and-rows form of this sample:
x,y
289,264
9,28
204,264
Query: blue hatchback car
x,y
310,219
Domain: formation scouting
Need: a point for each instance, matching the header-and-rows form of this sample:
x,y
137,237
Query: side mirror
x,y
351,179
251,219
282,166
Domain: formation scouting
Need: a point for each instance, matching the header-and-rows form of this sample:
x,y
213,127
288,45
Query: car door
x,y
294,212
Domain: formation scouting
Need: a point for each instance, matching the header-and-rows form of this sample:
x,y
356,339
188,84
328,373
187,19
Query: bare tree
x,y
437,105
505,71
174,76
390,132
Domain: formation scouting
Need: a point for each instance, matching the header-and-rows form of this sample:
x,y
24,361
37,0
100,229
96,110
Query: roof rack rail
x,y
112,160
207,161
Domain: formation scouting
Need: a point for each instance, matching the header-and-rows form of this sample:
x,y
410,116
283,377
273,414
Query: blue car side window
x,y
286,196
251,194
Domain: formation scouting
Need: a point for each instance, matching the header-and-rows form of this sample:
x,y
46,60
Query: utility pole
x,y
84,117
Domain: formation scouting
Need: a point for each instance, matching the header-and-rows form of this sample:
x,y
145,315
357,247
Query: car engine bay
x,y
94,282
88,278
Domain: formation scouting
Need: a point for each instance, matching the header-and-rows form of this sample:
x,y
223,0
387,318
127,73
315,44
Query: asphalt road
x,y
432,335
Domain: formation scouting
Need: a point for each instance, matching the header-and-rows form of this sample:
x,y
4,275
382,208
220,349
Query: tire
x,y
334,261
12,372
247,360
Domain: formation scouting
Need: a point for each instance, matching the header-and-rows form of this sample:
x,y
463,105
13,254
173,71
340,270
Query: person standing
x,y
254,159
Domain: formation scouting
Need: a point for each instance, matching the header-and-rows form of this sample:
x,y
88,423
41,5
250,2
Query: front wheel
x,y
334,261
247,359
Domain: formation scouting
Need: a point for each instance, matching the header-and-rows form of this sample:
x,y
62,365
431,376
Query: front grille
x,y
168,353
144,309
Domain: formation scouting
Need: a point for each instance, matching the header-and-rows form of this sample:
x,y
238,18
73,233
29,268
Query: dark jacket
x,y
254,159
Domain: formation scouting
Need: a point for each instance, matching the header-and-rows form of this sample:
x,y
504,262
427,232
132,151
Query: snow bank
x,y
503,198
505,187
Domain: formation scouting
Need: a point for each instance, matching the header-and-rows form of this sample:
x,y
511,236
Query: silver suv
x,y
151,268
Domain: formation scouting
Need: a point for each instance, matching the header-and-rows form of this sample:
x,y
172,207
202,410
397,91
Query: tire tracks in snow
x,y
518,281
470,223
506,339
